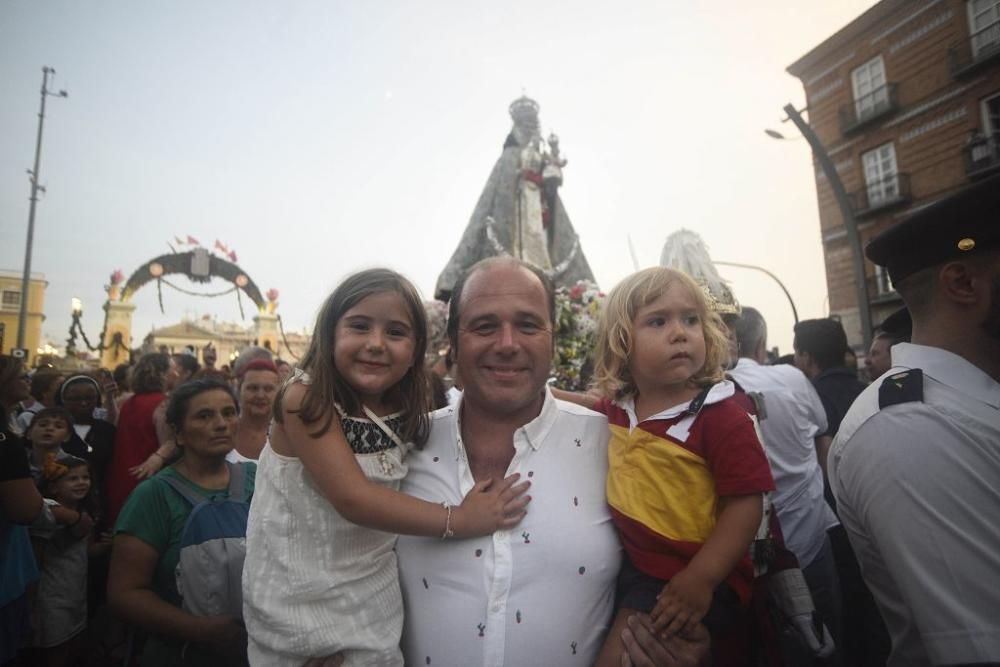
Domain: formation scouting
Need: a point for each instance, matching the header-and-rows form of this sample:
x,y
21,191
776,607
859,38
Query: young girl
x,y
686,469
60,612
320,576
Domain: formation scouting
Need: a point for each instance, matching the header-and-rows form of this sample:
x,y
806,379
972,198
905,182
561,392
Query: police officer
x,y
916,465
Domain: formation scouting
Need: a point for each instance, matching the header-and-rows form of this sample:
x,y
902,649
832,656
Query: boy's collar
x,y
720,391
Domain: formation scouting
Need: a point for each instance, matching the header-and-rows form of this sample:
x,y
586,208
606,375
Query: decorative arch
x,y
187,263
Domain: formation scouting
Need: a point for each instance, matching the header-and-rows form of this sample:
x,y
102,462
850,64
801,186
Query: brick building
x,y
906,100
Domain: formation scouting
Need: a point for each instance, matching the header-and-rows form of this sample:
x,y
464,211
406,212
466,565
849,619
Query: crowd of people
x,y
701,503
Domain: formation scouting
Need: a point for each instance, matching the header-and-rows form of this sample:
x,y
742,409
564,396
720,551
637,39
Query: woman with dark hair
x,y
203,415
15,386
143,442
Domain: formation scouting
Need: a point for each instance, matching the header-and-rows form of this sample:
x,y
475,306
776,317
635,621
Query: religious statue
x,y
519,212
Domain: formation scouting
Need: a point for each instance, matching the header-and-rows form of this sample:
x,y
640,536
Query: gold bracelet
x,y
448,532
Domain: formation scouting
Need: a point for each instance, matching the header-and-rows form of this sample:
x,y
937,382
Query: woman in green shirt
x,y
142,587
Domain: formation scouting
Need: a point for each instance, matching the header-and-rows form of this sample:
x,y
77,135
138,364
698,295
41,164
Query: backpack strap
x,y
184,490
237,479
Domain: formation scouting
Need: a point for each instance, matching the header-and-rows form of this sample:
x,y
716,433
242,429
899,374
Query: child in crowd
x,y
48,430
60,609
686,468
320,576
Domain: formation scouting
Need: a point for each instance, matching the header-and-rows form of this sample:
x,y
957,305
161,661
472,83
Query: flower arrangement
x,y
113,288
437,330
577,311
272,300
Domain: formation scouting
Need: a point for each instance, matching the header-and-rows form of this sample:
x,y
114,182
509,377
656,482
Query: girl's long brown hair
x,y
411,394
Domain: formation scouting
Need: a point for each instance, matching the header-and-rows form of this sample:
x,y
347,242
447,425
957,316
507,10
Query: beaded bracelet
x,y
448,532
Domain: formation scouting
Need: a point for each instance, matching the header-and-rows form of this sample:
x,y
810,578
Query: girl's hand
x,y
83,526
148,468
682,604
490,506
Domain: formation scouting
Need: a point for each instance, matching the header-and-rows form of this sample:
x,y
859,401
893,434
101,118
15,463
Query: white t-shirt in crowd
x,y
793,416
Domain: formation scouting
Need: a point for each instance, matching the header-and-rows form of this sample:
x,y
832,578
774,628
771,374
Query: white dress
x,y
315,584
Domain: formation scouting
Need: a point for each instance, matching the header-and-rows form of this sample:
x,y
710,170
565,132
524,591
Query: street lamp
x,y
35,187
795,312
846,212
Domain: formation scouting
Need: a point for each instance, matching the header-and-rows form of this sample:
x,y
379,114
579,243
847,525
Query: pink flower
x,y
117,276
272,295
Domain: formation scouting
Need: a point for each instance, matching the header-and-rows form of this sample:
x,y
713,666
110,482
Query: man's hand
x,y
683,603
643,649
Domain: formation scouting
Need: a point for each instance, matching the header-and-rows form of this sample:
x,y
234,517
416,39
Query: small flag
x,y
232,256
192,240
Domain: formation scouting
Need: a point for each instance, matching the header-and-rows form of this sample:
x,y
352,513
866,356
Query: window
x,y
883,285
870,92
11,299
984,25
991,116
881,179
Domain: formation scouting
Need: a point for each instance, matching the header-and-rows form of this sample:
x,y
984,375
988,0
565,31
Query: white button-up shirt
x,y
540,594
794,417
918,489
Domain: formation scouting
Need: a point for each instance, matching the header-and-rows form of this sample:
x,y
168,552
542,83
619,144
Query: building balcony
x,y
982,156
868,108
981,49
881,195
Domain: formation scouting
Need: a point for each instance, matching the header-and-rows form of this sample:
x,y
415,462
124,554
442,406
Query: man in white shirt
x,y
543,593
792,421
915,466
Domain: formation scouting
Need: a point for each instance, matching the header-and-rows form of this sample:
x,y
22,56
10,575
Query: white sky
x,y
319,137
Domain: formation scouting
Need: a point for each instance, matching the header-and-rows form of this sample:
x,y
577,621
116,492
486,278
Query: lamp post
x,y
35,187
846,212
795,312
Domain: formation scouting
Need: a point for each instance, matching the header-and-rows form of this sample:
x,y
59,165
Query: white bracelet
x,y
448,532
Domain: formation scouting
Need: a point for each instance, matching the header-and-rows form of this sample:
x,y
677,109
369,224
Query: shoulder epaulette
x,y
903,387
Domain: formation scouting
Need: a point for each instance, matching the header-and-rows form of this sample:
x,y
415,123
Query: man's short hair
x,y
187,362
248,355
456,293
824,339
750,329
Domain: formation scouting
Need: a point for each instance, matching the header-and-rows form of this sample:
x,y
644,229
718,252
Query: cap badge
x,y
966,244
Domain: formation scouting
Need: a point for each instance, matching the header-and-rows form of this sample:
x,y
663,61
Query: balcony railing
x,y
867,108
982,156
981,49
881,195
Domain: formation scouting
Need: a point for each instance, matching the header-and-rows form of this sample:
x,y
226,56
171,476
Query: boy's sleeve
x,y
603,406
736,456
146,515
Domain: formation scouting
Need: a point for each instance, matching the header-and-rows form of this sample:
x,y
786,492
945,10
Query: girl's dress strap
x,y
385,427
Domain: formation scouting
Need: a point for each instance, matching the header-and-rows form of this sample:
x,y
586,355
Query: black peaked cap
x,y
964,224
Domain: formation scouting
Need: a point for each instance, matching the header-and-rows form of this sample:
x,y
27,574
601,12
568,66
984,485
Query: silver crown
x,y
524,111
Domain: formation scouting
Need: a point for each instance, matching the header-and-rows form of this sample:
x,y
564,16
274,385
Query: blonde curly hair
x,y
615,335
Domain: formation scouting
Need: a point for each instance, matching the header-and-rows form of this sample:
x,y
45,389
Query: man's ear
x,y
961,283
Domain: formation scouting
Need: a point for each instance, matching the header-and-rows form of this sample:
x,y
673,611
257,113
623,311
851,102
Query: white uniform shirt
x,y
794,417
540,594
918,488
